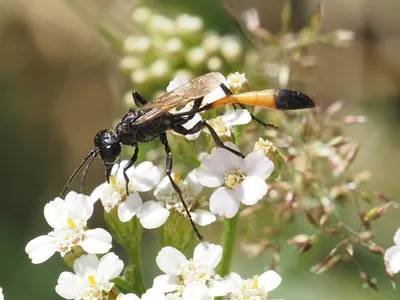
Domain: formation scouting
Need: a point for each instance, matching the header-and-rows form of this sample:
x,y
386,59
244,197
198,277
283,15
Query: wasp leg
x,y
254,118
196,106
164,140
196,128
128,165
138,99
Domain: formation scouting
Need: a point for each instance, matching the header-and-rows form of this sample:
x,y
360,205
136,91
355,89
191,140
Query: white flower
x,y
392,254
151,294
231,48
1,294
237,83
251,19
176,82
194,278
92,278
142,178
256,288
189,25
68,219
239,179
154,213
223,124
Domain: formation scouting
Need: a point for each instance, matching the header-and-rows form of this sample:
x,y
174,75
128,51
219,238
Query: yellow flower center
x,y
92,280
233,178
113,180
71,223
255,282
177,177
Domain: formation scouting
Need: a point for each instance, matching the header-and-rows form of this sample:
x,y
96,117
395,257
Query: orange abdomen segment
x,y
273,98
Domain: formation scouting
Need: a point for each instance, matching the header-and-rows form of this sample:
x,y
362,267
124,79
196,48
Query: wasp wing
x,y
188,92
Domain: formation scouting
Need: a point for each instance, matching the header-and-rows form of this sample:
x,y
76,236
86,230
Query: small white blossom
x,y
211,42
151,294
392,254
192,279
141,14
140,76
231,48
196,57
153,214
238,179
255,288
237,82
69,220
92,278
142,178
215,63
223,124
251,19
160,69
137,44
129,63
162,25
1,294
188,25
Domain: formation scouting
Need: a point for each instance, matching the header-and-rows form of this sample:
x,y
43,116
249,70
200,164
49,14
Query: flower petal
x,y
236,117
208,254
56,213
224,202
203,217
164,188
96,241
41,248
98,192
392,258
147,176
251,190
129,296
193,183
165,283
80,206
67,285
269,280
86,264
127,209
176,82
169,260
152,214
110,266
153,294
257,164
195,291
216,94
396,237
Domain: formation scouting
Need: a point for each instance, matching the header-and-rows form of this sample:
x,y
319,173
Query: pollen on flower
x,y
177,178
265,145
92,280
233,178
255,282
237,82
71,223
218,124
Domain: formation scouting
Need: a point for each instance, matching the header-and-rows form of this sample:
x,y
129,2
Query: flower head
x,y
238,179
255,288
223,124
68,218
189,277
92,278
392,254
141,179
154,213
151,294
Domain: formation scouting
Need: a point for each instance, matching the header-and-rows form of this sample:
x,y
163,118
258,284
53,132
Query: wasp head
x,y
109,149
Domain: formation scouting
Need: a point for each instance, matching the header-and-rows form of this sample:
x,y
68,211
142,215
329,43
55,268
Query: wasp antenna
x,y
73,175
86,171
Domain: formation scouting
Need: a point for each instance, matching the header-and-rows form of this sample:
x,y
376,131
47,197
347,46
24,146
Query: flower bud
x,y
273,154
141,15
129,63
177,232
231,49
196,57
140,76
137,44
211,43
162,26
302,241
187,25
160,70
215,64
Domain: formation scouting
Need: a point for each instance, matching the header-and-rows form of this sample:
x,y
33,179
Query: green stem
x,y
129,235
228,244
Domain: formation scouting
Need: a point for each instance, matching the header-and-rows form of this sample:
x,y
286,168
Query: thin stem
x,y
228,244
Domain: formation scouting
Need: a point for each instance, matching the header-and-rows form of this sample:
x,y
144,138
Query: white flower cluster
x,y
183,279
171,47
236,179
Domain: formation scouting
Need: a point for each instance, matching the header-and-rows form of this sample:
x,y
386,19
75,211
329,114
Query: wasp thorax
x,y
109,148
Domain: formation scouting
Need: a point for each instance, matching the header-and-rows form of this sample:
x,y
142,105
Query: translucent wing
x,y
190,91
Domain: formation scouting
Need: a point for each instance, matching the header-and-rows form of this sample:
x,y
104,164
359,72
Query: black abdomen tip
x,y
289,99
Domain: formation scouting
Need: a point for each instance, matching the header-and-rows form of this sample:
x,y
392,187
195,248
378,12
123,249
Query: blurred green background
x,y
60,84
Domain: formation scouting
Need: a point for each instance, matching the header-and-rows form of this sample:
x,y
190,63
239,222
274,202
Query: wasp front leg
x,y
128,165
168,170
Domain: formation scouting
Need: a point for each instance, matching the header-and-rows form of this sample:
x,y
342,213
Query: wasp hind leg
x,y
128,165
199,125
168,170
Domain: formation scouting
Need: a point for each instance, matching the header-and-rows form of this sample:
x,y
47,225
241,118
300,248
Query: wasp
x,y
151,120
